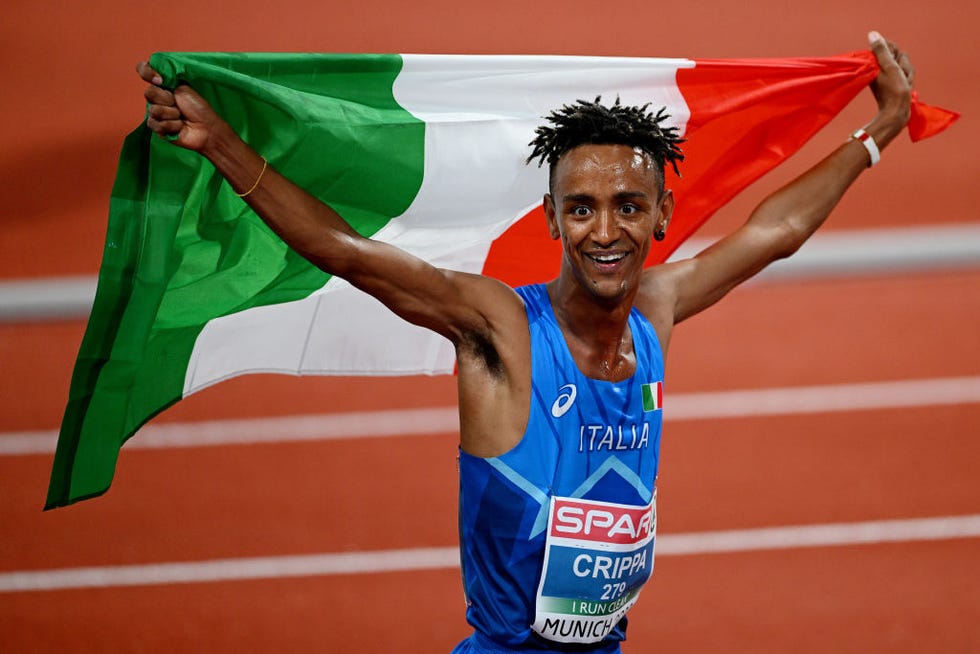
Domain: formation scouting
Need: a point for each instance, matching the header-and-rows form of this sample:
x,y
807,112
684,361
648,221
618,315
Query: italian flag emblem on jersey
x,y
653,396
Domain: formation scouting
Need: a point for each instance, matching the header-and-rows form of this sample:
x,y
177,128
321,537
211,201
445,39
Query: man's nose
x,y
605,230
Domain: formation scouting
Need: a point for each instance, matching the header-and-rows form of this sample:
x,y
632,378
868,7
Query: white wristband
x,y
869,144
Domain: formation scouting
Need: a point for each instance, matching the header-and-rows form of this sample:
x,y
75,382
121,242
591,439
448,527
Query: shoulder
x,y
496,304
535,299
657,298
500,320
658,288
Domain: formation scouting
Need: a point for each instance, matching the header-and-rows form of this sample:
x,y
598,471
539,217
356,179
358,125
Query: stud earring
x,y
659,234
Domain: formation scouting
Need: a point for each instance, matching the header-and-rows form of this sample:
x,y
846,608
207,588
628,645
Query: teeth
x,y
607,258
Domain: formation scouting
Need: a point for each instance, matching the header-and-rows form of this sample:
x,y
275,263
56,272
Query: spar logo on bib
x,y
597,557
600,522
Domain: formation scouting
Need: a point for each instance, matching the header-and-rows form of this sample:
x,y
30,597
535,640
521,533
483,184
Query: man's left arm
x,y
787,218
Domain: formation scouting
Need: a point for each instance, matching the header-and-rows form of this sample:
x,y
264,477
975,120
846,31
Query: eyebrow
x,y
624,195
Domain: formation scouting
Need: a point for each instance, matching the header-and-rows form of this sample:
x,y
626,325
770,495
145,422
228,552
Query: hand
x,y
181,112
892,87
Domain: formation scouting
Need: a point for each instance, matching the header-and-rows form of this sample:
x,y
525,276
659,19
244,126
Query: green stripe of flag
x,y
180,244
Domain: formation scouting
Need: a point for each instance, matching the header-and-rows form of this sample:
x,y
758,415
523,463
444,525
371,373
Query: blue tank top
x,y
557,535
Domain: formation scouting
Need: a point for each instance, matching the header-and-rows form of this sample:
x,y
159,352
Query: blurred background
x,y
898,464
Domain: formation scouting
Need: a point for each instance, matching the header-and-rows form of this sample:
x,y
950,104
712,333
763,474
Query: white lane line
x,y
276,567
284,429
828,254
269,567
821,399
443,420
47,298
825,535
849,252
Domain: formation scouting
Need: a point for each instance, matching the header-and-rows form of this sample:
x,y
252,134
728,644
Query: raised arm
x,y
447,302
483,318
786,219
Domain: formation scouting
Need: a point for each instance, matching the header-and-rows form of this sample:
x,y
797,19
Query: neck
x,y
595,329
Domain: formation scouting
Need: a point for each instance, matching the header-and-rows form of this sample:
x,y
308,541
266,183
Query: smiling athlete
x,y
560,384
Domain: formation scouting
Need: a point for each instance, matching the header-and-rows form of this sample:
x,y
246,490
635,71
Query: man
x,y
559,384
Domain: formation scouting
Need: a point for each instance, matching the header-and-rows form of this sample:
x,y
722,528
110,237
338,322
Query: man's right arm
x,y
450,303
780,225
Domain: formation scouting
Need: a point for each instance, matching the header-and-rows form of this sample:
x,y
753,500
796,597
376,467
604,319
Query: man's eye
x,y
580,211
629,209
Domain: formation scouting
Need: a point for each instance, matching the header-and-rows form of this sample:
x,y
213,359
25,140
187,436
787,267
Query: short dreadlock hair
x,y
590,123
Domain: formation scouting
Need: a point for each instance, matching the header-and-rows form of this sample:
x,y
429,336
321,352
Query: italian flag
x,y
425,152
653,396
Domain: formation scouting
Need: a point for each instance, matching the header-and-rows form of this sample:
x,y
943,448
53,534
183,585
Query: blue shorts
x,y
480,644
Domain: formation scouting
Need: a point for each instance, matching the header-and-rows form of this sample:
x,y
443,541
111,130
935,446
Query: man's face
x,y
604,206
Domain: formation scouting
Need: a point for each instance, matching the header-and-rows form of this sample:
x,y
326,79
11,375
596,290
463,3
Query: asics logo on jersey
x,y
566,397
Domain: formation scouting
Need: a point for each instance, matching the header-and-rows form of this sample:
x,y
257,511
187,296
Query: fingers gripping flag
x,y
424,152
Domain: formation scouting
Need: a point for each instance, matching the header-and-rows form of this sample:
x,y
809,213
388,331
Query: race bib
x,y
597,557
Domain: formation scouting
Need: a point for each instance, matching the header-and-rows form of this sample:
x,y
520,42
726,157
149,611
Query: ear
x,y
666,210
549,214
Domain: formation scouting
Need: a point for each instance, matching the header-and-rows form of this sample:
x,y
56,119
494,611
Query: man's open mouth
x,y
607,258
